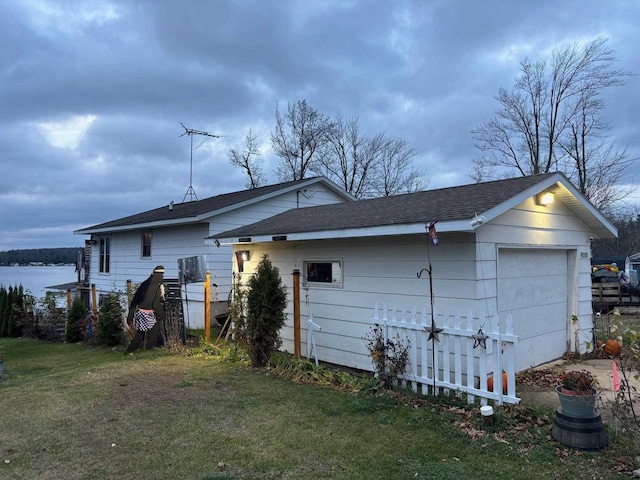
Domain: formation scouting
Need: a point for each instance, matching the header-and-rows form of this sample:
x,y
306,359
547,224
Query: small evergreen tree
x,y
6,313
266,301
110,321
17,313
3,302
76,321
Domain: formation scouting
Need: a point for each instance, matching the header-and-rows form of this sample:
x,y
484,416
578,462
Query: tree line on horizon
x,y
39,255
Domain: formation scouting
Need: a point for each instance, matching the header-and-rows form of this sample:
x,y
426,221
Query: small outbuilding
x,y
518,247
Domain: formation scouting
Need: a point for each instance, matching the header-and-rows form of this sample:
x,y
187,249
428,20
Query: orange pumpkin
x,y
612,347
504,383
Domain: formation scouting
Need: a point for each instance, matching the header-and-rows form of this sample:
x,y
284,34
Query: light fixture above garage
x,y
545,198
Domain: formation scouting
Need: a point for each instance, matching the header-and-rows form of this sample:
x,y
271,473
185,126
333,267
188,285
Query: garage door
x,y
532,287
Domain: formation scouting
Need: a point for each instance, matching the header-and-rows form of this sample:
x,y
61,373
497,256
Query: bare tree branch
x,y
248,161
299,139
550,120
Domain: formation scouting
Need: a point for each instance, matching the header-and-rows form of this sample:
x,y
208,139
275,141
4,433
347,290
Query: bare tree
x,y
549,120
481,170
299,139
248,161
395,173
349,157
367,166
628,241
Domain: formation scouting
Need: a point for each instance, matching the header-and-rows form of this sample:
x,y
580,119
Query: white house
x,y
129,248
519,246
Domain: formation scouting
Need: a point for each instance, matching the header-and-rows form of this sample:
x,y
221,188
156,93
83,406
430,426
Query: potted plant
x,y
577,424
577,382
577,393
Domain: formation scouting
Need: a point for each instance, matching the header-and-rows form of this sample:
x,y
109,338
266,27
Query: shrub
x,y
237,312
266,301
580,381
389,357
627,399
110,321
12,311
76,321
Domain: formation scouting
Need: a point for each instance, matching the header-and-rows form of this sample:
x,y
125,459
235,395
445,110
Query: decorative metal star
x,y
433,332
480,339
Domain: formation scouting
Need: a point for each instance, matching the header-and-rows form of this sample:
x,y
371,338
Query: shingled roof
x,y
451,204
190,212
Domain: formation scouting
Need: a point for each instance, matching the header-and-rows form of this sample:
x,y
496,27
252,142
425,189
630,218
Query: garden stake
x,y
433,331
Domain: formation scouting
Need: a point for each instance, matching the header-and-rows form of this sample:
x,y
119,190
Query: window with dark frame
x,y
105,254
323,272
146,244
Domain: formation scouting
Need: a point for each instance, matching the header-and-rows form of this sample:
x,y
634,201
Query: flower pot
x,y
577,405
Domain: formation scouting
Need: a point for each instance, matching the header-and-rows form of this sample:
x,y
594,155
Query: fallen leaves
x,y
543,378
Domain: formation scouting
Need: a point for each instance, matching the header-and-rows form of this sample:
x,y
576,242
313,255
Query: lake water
x,y
36,279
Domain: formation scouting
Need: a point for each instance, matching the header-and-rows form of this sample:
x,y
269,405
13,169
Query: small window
x,y
328,273
146,245
105,254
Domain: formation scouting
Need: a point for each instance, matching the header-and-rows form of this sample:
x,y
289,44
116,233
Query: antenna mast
x,y
191,193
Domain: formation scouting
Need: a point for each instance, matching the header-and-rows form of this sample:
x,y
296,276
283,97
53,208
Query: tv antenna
x,y
191,193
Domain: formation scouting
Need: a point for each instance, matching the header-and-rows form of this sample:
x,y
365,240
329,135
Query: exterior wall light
x,y
545,198
241,257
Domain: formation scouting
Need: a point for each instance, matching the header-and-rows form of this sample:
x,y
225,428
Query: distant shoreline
x,y
39,264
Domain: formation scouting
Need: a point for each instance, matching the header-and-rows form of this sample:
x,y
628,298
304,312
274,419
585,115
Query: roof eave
x,y
564,189
137,226
375,231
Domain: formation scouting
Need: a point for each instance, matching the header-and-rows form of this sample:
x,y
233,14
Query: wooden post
x,y
69,299
129,291
207,307
94,304
296,312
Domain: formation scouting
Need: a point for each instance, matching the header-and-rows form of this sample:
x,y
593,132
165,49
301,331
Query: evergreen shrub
x,y
76,321
266,301
110,321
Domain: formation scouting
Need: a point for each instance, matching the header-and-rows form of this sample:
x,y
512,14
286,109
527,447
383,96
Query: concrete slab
x,y
601,369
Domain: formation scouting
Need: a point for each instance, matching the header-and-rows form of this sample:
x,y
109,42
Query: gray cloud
x,y
93,92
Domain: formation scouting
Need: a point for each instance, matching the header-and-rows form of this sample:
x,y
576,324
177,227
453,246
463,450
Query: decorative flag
x,y
432,233
616,378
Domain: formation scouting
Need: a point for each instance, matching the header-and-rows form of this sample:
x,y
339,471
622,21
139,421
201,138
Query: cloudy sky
x,y
93,92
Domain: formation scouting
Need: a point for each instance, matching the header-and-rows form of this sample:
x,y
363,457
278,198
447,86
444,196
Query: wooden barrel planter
x,y
581,433
577,423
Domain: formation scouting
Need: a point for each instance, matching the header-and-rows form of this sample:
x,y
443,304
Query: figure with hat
x,y
147,312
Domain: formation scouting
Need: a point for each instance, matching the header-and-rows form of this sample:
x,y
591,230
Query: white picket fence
x,y
459,367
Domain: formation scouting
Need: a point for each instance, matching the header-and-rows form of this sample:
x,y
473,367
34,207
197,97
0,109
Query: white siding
x,y
172,243
375,270
465,276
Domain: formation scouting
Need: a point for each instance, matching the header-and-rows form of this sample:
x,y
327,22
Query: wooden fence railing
x,y
463,358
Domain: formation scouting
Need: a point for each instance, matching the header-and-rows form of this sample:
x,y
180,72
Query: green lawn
x,y
78,412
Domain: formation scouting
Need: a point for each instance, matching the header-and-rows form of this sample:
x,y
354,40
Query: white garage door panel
x,y
532,288
527,293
